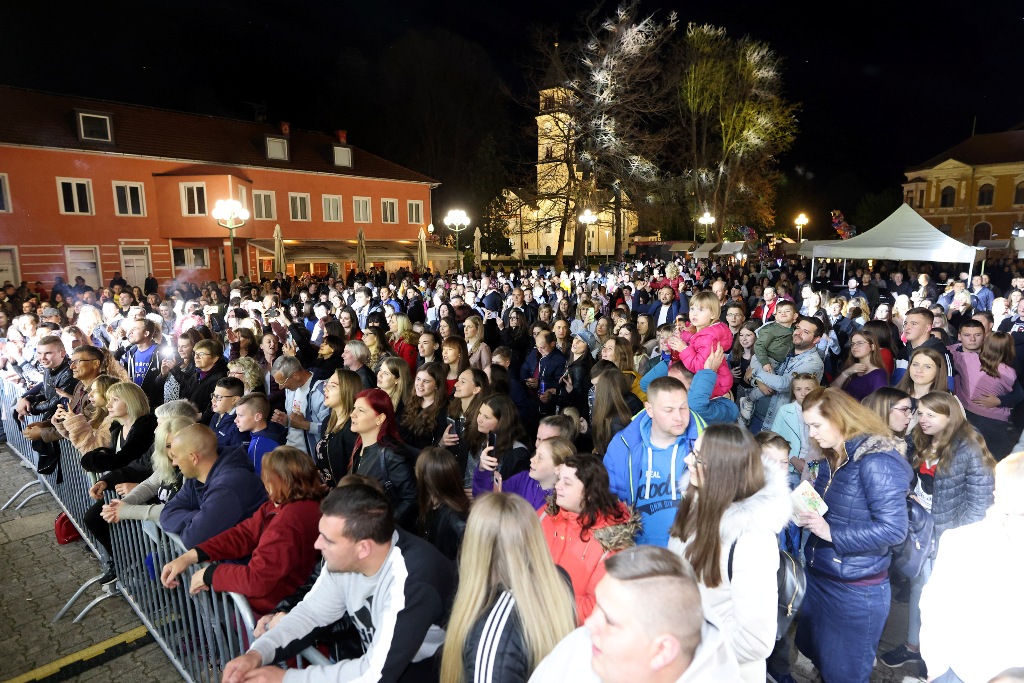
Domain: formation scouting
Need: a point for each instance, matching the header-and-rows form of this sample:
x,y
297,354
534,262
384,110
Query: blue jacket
x,y
675,308
552,367
200,511
650,484
867,509
227,432
264,441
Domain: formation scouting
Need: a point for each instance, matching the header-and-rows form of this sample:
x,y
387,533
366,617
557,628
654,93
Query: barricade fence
x,y
199,633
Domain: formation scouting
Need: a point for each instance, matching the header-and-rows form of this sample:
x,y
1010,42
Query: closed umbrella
x,y
361,252
421,251
477,255
279,259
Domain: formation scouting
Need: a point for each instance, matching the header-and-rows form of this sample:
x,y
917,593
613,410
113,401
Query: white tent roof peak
x,y
903,236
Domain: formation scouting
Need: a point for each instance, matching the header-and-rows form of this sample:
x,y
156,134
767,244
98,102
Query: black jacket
x,y
497,639
138,443
443,529
43,397
389,466
201,388
579,372
151,385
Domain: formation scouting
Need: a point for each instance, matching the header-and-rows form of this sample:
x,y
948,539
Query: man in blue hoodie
x,y
251,415
219,490
645,460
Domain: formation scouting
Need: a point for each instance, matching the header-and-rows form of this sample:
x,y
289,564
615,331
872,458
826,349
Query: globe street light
x,y
707,220
457,221
588,218
230,214
801,221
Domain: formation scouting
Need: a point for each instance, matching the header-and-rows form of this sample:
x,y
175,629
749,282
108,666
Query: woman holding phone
x,y
495,450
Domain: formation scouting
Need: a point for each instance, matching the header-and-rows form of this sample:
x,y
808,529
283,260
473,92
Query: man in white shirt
x,y
304,399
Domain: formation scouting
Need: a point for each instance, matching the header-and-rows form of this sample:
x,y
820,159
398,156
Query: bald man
x,y
219,490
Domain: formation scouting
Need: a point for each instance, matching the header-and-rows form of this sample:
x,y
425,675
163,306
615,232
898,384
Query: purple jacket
x,y
520,484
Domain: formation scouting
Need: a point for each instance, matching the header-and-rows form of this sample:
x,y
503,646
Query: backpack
x,y
908,557
792,583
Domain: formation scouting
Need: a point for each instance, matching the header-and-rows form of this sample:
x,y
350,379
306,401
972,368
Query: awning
x,y
730,248
705,249
684,247
338,251
995,244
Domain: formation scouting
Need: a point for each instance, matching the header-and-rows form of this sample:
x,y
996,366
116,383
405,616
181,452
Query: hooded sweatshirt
x,y
702,344
232,492
264,441
647,477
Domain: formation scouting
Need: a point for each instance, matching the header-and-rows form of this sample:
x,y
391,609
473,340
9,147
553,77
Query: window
x,y
389,210
343,156
277,148
908,197
242,197
361,209
75,195
263,205
1018,194
193,199
948,197
5,194
299,204
985,194
920,199
415,210
191,257
95,127
129,199
332,208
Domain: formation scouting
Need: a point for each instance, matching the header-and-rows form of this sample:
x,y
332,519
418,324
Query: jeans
x,y
840,626
916,588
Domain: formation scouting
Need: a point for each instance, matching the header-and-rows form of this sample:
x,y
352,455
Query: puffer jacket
x,y
702,344
582,555
963,489
867,509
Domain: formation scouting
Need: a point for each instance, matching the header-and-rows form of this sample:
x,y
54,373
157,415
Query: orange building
x,y
89,187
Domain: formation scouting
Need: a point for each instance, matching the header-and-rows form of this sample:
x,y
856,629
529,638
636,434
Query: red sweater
x,y
280,541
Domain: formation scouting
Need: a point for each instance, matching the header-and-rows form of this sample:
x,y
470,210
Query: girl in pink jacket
x,y
705,335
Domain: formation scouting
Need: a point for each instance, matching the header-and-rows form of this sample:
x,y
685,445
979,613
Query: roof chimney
x,y
286,128
342,136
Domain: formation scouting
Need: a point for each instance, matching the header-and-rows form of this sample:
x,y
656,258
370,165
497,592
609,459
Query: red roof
x,y
47,120
991,148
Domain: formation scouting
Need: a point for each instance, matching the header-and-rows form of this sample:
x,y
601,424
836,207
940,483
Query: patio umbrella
x,y
477,256
361,252
421,251
279,259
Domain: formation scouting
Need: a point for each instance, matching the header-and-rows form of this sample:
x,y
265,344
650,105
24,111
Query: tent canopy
x,y
903,236
705,249
736,249
677,247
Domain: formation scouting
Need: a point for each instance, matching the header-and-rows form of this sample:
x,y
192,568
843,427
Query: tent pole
x,y
983,265
844,271
970,273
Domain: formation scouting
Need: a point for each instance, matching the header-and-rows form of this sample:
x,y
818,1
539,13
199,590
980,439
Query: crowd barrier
x,y
199,633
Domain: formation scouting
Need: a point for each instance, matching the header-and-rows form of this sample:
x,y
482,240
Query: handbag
x,y
65,530
792,583
908,557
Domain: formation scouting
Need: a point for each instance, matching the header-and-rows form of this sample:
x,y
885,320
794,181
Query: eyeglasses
x,y
859,343
236,373
218,397
906,410
74,361
197,354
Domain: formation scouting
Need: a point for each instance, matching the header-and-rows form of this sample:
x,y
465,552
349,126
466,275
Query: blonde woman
x,y
404,339
512,606
479,352
395,380
88,432
131,430
247,369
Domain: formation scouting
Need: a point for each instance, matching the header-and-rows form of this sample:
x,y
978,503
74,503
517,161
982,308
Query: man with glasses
x,y
304,399
86,365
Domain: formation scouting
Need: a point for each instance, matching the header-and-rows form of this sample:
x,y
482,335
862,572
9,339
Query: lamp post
x,y
801,221
230,214
588,218
606,238
457,221
707,220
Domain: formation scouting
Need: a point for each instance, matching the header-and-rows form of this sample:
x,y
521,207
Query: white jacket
x,y
747,606
972,604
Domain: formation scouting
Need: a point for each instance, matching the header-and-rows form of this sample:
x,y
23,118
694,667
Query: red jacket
x,y
583,558
701,344
407,352
280,540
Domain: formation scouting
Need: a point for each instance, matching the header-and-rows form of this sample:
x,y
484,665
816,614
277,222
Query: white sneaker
x,y
746,409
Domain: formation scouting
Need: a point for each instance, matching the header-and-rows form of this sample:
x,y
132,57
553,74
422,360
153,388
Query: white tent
x,y
704,250
903,236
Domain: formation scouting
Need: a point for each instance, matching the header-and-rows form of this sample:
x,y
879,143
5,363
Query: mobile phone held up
x,y
492,441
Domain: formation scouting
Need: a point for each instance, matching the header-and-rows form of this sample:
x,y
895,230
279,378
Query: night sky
x,y
882,86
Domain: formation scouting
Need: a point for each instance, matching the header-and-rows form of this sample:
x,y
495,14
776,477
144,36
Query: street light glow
x,y
801,221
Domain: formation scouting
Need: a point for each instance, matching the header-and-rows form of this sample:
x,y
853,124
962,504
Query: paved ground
x,y
37,575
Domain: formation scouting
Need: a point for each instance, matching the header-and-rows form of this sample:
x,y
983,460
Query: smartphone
x,y
492,439
272,313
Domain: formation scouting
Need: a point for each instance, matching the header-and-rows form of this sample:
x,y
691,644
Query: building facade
x,y
90,187
974,191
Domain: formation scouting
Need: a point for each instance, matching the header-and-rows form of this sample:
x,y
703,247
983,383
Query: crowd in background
x,y
363,441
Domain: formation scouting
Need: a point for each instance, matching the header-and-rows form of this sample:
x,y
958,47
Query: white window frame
x,y
183,188
96,115
336,200
189,253
142,198
5,194
74,181
292,206
357,215
281,139
243,197
393,203
342,156
418,204
68,248
257,200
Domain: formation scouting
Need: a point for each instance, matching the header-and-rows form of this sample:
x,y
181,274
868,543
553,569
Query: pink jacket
x,y
700,345
972,382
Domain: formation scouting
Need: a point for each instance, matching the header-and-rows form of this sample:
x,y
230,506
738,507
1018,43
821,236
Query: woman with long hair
x,y
896,409
727,528
423,421
470,389
395,378
887,342
583,524
376,341
350,323
337,440
379,453
91,429
404,339
448,326
926,372
249,372
497,421
863,479
538,483
563,336
566,311
443,503
640,358
620,352
512,605
864,371
954,481
611,411
241,343
981,378
179,375
741,354
514,335
455,356
277,540
478,350
575,383
604,329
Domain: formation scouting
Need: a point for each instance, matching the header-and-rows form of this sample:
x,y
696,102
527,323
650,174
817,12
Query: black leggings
x,y
99,527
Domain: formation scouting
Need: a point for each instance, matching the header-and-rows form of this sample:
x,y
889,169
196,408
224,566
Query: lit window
x,y
263,205
389,210
332,208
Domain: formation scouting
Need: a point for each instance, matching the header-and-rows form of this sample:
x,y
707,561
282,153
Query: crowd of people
x,y
539,475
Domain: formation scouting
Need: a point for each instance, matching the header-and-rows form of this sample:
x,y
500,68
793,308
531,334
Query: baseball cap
x,y
589,339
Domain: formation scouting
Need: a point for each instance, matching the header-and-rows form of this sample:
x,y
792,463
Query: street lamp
x,y
457,221
707,220
606,238
588,218
801,221
230,214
